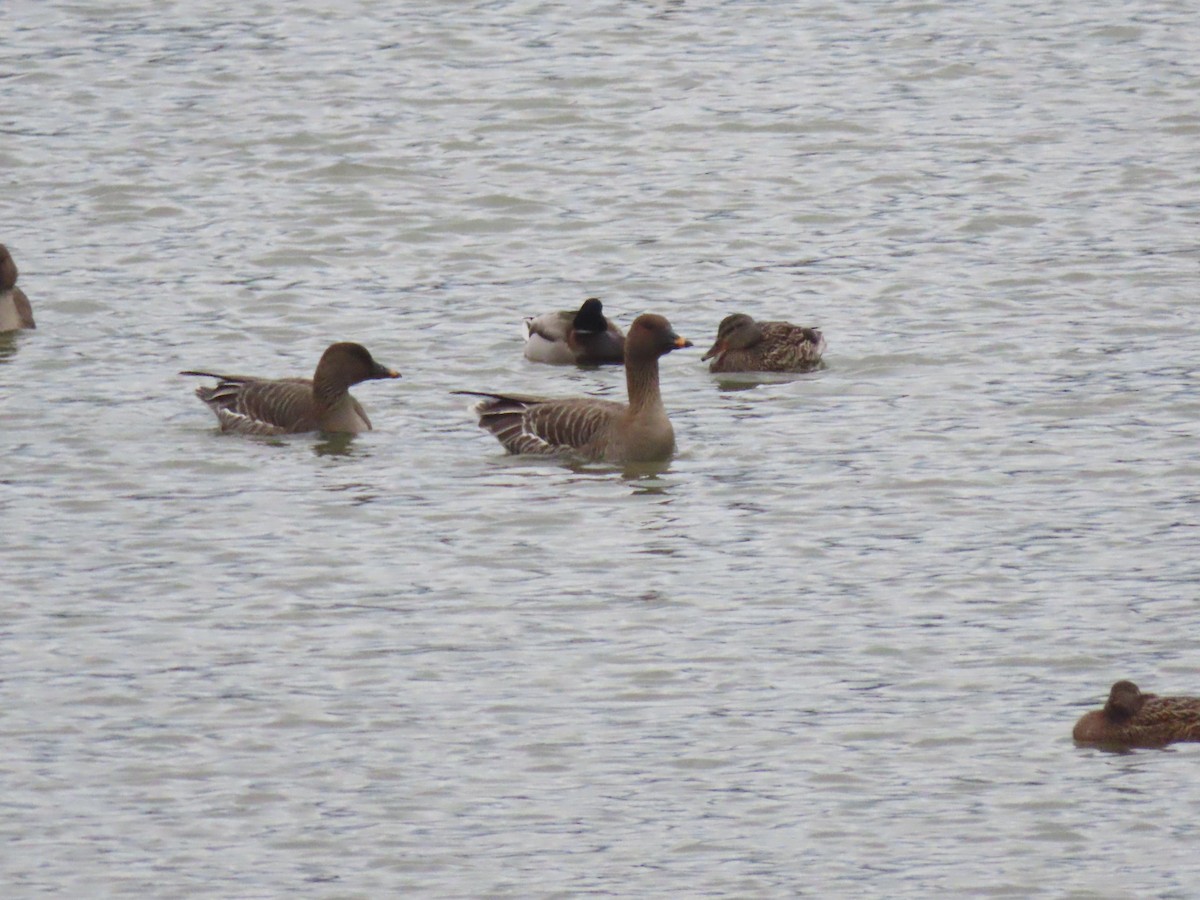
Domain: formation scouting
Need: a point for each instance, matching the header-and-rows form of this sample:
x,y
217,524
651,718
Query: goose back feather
x,y
540,426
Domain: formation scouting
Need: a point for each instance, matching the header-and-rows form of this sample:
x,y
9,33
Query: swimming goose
x,y
15,311
583,337
1133,719
589,428
291,405
744,345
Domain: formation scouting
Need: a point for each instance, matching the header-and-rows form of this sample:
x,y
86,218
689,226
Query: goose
x,y
1133,719
589,428
744,345
249,405
15,311
584,337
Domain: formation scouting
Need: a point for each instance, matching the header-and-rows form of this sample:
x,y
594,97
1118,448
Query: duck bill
x,y
680,342
384,372
715,350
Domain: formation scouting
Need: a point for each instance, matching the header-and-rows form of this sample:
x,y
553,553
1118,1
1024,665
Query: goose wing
x,y
257,406
546,427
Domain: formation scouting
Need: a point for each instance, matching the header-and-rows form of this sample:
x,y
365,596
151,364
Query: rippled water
x,y
834,648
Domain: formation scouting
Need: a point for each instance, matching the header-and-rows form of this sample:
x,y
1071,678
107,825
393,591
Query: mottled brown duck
x,y
15,311
249,405
1133,719
743,345
588,428
580,337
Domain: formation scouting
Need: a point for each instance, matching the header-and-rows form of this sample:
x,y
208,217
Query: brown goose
x,y
583,337
15,311
589,428
744,345
290,405
1133,719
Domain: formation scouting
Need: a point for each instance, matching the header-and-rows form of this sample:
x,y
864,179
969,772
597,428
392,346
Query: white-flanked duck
x,y
583,337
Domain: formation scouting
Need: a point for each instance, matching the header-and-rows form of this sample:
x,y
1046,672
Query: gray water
x,y
834,648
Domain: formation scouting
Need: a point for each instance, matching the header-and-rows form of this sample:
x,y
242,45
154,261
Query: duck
x,y
15,311
582,337
588,428
744,345
249,405
1133,719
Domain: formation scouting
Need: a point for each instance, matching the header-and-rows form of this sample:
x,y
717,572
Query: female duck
x,y
1133,719
744,345
588,428
584,337
250,405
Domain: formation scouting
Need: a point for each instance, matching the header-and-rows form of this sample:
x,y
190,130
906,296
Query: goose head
x,y
345,364
651,336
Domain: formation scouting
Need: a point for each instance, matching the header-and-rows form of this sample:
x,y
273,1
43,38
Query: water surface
x,y
835,647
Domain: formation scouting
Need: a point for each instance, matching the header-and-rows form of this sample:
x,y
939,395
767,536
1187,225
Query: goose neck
x,y
328,389
641,379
